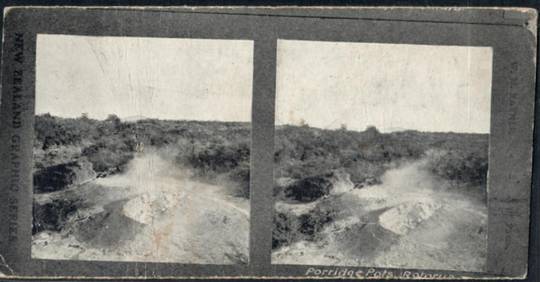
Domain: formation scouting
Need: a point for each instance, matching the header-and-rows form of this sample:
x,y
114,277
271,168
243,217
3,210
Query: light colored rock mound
x,y
407,216
148,206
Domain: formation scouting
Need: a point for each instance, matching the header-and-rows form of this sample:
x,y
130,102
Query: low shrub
x,y
241,177
290,228
54,178
104,159
309,189
285,230
459,167
52,216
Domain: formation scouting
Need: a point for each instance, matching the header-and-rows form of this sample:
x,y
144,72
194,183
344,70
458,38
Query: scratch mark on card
x,y
4,265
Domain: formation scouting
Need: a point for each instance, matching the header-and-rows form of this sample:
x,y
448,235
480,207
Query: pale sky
x,y
165,78
390,86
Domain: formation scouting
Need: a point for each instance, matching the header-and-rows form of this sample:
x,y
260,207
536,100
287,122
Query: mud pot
x,y
153,212
411,220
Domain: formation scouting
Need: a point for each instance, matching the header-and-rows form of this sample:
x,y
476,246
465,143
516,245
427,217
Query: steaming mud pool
x,y
409,221
153,212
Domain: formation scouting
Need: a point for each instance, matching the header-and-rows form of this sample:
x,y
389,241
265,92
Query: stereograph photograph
x,y
381,155
142,149
268,142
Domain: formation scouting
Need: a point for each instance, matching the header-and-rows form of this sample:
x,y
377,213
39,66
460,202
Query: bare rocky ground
x,y
411,220
153,212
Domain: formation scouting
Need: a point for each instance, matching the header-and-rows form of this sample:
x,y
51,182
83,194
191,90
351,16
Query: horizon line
x,y
379,129
141,119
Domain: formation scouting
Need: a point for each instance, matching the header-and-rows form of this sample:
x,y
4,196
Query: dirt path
x,y
154,212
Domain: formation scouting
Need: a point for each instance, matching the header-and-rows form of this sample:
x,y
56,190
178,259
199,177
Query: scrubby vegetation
x,y
210,148
308,159
71,151
289,227
307,154
52,216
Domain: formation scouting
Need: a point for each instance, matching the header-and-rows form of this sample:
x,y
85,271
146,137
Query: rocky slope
x,y
410,220
154,211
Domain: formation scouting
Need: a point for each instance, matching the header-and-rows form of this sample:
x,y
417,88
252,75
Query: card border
x,y
508,31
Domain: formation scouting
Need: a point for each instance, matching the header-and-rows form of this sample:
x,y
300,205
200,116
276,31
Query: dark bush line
x,y
220,158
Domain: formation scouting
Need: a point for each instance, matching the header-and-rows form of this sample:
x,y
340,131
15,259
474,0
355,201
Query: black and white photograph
x,y
142,149
254,142
381,155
